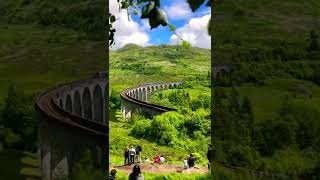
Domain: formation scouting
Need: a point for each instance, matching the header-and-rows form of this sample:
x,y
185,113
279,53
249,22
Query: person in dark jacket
x,y
191,161
138,153
136,173
210,155
126,156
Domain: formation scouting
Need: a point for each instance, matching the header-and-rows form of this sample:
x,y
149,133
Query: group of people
x,y
159,159
131,154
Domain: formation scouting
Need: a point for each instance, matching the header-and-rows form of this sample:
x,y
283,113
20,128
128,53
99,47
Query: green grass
x,y
193,92
267,99
34,64
185,63
263,23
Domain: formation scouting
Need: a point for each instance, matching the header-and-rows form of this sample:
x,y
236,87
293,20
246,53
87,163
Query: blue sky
x,y
190,26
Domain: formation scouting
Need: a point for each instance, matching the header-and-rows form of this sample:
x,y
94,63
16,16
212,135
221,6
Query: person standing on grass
x,y
138,158
138,153
126,156
136,173
210,155
132,153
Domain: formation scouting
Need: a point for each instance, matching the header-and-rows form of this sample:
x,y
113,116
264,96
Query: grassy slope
x,y
169,68
28,60
268,99
120,138
265,23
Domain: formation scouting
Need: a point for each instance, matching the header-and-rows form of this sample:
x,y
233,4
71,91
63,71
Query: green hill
x,y
156,64
262,26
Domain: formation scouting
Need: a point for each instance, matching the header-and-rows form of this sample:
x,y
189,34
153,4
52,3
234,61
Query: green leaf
x,y
172,28
186,44
157,17
195,4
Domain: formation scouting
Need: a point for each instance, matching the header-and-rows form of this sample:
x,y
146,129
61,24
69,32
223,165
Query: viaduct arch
x,y
136,99
72,117
222,70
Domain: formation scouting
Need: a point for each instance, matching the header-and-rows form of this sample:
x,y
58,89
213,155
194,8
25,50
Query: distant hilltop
x,y
130,46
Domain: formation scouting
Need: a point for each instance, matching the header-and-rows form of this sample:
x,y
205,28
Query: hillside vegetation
x,y
267,112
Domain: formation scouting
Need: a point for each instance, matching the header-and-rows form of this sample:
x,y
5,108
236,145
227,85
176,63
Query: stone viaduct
x,y
72,118
136,99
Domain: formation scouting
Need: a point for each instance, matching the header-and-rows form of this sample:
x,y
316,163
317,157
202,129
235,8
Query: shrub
x,y
84,169
12,140
273,135
241,155
141,128
114,100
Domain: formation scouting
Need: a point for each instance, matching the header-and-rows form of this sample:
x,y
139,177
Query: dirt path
x,y
163,168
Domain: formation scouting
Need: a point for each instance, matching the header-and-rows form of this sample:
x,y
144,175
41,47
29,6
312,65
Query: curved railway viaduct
x,y
136,99
72,118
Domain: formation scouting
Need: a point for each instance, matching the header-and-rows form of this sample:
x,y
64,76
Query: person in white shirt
x,y
162,159
132,153
185,164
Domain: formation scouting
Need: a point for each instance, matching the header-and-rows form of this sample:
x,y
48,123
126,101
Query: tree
x,y
18,119
114,100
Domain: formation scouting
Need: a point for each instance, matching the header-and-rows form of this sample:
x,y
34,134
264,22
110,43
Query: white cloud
x,y
126,31
195,32
178,10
